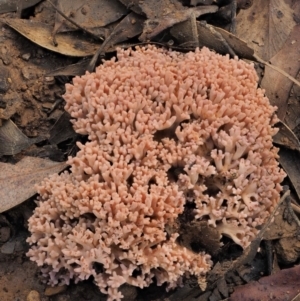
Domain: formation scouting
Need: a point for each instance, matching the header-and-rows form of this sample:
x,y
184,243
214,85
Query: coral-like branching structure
x,y
164,129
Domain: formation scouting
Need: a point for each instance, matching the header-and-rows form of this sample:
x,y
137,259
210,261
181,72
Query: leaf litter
x,y
267,33
17,182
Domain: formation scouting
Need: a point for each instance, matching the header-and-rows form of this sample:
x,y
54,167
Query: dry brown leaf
x,y
183,33
164,13
280,227
11,5
292,118
129,27
62,130
283,285
290,161
156,23
286,137
17,181
76,69
12,140
266,26
71,44
88,14
278,86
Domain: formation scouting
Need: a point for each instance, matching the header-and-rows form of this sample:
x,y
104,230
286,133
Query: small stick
x,y
195,30
258,59
19,8
220,37
233,16
292,212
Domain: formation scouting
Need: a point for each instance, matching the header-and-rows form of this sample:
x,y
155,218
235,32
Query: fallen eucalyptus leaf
x,y
281,228
271,22
207,37
17,181
62,130
71,43
290,161
278,86
129,27
166,14
222,42
286,137
76,69
12,140
88,14
7,6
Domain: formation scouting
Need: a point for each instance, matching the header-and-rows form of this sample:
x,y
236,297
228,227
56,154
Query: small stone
x,y
50,80
26,56
29,72
24,88
8,248
33,296
50,291
4,234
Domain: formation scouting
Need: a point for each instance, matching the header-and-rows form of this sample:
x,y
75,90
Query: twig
x,y
194,29
269,254
19,8
219,37
99,52
295,207
258,59
292,212
233,16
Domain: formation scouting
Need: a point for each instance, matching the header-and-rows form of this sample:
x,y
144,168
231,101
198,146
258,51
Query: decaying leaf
x,y
283,285
71,44
12,140
292,118
164,13
76,69
183,33
290,161
11,5
156,24
278,86
286,137
51,152
129,27
62,129
17,181
88,14
280,227
270,21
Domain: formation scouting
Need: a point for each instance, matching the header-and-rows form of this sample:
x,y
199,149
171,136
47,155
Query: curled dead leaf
x,y
17,182
72,44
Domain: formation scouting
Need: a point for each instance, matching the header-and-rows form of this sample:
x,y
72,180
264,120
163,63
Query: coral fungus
x,y
164,129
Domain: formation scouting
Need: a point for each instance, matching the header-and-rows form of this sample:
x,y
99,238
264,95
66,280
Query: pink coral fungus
x,y
164,129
